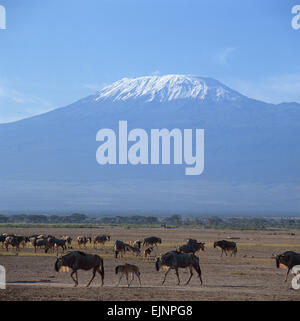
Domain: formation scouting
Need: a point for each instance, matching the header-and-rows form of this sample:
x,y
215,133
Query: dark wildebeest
x,y
24,241
77,260
83,240
2,239
176,260
133,249
226,246
39,242
289,259
192,246
58,243
147,252
14,241
126,269
101,239
120,248
68,241
151,241
137,244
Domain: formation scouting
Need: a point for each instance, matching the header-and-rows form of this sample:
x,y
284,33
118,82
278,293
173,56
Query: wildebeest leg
x,y
176,271
132,277
197,268
166,275
94,273
139,279
98,270
75,281
191,274
127,279
120,278
287,273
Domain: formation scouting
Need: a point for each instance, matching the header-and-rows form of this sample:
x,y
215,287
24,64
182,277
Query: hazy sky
x,y
55,52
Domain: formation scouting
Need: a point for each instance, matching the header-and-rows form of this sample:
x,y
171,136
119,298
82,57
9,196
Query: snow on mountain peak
x,y
168,88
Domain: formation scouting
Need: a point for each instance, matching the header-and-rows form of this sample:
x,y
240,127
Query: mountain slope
x,y
248,144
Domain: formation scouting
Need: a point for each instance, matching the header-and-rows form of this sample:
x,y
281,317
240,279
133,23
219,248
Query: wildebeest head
x,y
277,261
280,259
157,263
215,244
58,264
108,237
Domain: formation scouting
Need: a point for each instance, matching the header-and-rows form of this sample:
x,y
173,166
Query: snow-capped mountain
x,y
48,162
168,88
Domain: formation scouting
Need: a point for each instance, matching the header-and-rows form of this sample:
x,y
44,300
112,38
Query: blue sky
x,y
55,52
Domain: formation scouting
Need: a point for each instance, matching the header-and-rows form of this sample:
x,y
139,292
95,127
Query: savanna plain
x,y
251,275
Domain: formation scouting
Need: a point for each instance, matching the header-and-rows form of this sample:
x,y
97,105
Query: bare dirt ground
x,y
251,275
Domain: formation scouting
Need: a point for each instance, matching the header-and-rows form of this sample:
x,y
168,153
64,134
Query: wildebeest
x,y
147,252
176,260
83,240
151,241
289,259
137,244
2,239
77,260
226,246
58,243
120,247
39,242
101,239
68,241
24,241
133,249
14,241
126,269
192,246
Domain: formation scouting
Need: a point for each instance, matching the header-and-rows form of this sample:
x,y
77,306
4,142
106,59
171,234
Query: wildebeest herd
x,y
183,256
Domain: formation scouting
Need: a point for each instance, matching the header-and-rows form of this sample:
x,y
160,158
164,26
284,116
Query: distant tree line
x,y
175,220
26,218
